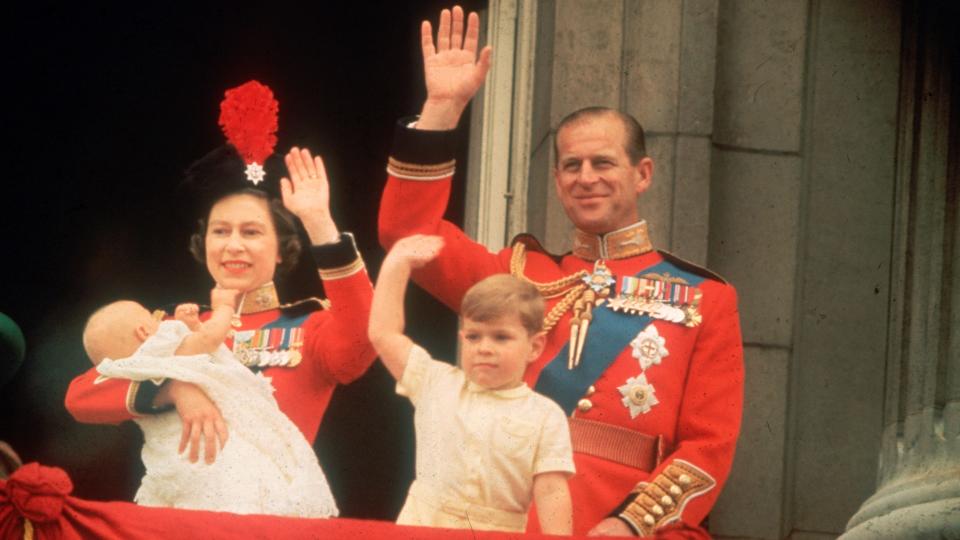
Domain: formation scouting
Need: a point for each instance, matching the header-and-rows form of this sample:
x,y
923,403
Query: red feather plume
x,y
248,117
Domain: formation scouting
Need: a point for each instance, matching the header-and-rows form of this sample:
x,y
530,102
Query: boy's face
x,y
495,353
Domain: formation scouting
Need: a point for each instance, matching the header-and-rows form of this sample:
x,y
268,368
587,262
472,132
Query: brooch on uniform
x,y
662,297
649,347
638,395
269,347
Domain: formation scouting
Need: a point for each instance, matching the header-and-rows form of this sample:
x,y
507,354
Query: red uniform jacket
x,y
696,381
335,350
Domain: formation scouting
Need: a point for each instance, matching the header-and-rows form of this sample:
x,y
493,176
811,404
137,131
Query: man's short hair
x,y
634,143
504,294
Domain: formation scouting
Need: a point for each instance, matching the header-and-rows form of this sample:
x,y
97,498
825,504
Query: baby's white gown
x,y
266,466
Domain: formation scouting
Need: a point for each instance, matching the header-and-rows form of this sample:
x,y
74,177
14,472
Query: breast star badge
x,y
649,347
255,173
638,395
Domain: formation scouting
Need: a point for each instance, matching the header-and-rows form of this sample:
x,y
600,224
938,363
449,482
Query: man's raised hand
x,y
453,72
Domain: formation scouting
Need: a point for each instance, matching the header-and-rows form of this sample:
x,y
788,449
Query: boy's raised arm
x,y
386,313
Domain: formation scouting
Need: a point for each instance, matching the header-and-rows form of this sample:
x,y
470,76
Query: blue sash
x,y
610,332
285,321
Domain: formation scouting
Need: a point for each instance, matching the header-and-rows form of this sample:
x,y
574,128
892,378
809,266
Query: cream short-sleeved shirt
x,y
478,447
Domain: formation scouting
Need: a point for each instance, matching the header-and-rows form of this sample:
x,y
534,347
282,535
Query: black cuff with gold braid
x,y
338,259
661,501
144,395
420,154
422,146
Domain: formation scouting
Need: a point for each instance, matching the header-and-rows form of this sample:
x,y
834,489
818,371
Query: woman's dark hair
x,y
288,242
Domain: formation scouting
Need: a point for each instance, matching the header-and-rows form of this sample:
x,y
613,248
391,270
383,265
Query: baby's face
x,y
124,335
144,318
495,353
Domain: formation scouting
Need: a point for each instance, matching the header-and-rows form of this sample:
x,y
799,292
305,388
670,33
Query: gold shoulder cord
x,y
571,287
581,290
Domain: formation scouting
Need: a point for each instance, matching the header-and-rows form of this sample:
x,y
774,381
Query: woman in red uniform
x,y
244,240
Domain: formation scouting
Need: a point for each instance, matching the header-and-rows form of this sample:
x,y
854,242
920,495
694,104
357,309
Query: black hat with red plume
x,y
248,118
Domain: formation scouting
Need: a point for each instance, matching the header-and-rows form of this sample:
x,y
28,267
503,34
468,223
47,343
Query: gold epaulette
x,y
690,267
532,243
307,304
571,286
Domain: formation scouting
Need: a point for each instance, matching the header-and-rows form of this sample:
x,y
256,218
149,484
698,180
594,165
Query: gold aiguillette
x,y
597,290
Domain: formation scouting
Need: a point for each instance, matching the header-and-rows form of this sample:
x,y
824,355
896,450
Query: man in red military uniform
x,y
644,350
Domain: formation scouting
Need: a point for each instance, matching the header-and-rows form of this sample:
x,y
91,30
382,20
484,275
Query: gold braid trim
x,y
416,171
571,287
548,289
662,501
562,306
328,274
132,397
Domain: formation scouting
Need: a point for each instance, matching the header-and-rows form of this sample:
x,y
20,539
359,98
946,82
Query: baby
x,y
486,443
267,468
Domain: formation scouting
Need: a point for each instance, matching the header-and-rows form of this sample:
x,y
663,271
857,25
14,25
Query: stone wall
x,y
918,495
773,126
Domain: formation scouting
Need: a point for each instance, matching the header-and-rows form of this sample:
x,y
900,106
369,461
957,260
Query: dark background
x,y
105,108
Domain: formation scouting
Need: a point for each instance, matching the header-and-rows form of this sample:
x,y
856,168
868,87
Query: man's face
x,y
596,183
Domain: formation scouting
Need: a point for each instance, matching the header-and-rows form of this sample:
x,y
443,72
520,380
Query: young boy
x,y
268,467
486,443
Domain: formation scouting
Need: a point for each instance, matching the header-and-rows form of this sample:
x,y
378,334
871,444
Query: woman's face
x,y
241,243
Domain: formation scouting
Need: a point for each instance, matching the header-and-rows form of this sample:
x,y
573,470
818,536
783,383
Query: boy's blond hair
x,y
504,294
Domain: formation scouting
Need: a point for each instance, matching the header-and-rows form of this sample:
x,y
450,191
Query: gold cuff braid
x,y
132,397
414,171
661,501
341,272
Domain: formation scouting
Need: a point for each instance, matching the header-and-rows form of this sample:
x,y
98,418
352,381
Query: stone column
x,y
754,231
803,175
918,493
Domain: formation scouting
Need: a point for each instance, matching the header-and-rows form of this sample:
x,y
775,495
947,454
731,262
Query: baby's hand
x,y
416,250
223,297
188,314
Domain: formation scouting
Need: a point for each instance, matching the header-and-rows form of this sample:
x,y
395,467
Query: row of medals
x,y
640,301
598,285
262,356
